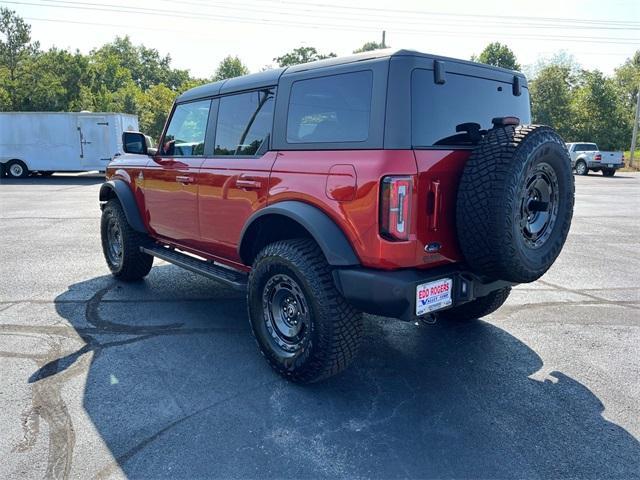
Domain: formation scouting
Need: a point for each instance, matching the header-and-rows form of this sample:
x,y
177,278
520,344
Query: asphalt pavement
x,y
162,378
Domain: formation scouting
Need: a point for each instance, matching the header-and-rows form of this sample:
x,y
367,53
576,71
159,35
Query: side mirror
x,y
137,143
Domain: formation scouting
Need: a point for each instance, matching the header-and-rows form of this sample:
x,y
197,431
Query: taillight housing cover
x,y
597,157
396,195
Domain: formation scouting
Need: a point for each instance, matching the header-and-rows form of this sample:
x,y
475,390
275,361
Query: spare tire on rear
x,y
515,203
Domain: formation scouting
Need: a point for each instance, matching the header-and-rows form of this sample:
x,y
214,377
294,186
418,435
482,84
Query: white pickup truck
x,y
586,156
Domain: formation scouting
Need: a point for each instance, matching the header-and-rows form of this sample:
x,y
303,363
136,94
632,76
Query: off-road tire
x,y
494,198
608,172
14,166
133,265
477,308
581,168
332,337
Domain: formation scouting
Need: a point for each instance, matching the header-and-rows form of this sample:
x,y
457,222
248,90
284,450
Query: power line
x,y
532,23
460,15
334,26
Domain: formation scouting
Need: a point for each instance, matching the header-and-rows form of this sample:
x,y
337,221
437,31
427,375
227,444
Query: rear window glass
x,y
585,147
244,122
330,109
436,109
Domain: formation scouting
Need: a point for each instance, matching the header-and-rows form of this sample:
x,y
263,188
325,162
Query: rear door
x,y
94,145
171,177
234,181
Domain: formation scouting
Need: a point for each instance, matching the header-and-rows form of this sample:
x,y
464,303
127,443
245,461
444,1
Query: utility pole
x,y
634,137
384,34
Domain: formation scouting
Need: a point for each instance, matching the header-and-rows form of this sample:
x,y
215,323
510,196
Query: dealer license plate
x,y
433,296
611,165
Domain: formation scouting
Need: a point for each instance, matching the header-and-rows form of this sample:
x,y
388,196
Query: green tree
x,y
52,81
154,107
597,113
498,55
15,49
230,67
627,79
146,66
550,94
369,46
301,55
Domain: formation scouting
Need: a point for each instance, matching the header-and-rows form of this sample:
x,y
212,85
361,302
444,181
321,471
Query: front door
x,y
171,177
234,182
93,135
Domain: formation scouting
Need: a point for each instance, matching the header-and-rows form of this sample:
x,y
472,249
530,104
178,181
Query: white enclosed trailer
x,y
48,142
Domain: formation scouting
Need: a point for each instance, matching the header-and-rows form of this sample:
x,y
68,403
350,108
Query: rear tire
x,y
303,326
608,172
477,308
16,169
581,168
121,245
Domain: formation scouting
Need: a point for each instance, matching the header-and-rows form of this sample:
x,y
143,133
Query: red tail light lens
x,y
395,207
598,157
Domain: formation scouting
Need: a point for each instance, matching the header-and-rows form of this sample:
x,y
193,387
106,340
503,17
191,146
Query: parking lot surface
x,y
162,378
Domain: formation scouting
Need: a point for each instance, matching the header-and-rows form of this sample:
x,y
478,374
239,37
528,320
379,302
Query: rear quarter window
x,y
436,109
331,109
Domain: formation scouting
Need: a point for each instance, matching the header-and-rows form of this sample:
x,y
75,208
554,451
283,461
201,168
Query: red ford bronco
x,y
398,184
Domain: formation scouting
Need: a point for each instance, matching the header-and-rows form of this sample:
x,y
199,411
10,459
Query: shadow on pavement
x,y
176,388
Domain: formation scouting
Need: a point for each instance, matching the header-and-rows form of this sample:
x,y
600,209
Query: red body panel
x,y
231,190
171,196
206,214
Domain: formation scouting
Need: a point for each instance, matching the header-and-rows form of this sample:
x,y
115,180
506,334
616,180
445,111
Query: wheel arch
x,y
292,219
120,189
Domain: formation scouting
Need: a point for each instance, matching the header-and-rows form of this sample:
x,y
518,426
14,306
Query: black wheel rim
x,y
539,205
114,242
286,312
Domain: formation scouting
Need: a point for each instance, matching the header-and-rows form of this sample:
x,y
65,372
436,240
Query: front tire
x,y
121,245
608,172
477,308
303,326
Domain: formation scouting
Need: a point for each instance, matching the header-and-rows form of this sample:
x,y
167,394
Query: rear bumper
x,y
393,293
604,165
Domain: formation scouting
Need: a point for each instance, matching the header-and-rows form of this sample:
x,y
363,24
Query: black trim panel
x,y
127,200
393,293
333,243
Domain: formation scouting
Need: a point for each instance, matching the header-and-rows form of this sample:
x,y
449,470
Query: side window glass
x,y
244,122
186,131
330,109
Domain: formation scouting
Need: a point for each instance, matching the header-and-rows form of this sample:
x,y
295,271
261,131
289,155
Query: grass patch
x,y
636,162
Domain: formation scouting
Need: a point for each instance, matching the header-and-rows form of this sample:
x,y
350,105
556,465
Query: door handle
x,y
248,183
184,179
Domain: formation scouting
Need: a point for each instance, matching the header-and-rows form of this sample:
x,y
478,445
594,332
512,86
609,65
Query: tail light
x,y
395,207
598,157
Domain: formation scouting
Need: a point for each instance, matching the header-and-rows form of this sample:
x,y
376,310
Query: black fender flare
x,y
332,241
125,196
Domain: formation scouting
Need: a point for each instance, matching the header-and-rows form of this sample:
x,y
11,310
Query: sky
x,y
197,34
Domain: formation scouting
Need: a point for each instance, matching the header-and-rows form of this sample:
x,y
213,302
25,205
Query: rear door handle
x,y
248,183
184,179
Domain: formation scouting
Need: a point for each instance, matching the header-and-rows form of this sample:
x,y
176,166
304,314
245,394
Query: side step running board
x,y
233,278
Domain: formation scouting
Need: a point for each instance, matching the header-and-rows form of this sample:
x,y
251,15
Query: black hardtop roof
x,y
269,78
